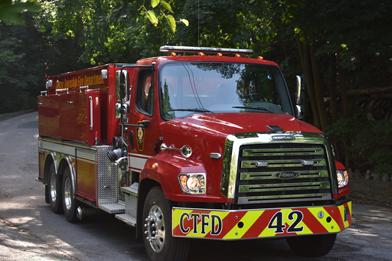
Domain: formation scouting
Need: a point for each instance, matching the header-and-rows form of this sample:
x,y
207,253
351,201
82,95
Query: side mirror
x,y
122,93
122,85
299,98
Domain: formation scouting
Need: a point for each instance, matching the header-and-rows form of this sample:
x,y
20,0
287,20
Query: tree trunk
x,y
332,89
318,90
308,73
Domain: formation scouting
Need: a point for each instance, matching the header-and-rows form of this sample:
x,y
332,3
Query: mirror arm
x,y
141,124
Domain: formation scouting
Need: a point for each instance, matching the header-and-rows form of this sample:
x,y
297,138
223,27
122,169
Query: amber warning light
x,y
204,50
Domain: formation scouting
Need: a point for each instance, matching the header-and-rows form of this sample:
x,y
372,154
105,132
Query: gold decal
x,y
140,138
77,81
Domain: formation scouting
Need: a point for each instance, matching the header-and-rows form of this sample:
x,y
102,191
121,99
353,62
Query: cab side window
x,y
145,92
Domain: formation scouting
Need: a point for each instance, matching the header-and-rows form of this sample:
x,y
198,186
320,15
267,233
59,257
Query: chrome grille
x,y
282,172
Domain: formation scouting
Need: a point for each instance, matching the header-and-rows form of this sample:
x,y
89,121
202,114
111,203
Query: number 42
x,y
276,222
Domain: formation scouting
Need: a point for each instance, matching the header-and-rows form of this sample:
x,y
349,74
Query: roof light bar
x,y
192,49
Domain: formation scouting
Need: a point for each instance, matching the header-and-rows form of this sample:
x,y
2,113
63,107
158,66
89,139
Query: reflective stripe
x,y
247,220
51,146
86,154
137,162
254,223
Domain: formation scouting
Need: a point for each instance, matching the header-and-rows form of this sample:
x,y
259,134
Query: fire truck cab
x,y
202,143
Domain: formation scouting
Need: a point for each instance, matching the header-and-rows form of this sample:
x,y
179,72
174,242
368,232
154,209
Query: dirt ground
x,y
375,192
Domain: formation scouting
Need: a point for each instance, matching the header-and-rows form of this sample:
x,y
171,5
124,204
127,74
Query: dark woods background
x,y
343,49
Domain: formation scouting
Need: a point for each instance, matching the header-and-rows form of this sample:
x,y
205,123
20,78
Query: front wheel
x,y
312,246
157,239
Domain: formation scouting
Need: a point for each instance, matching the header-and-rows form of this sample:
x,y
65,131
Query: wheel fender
x,y
164,170
68,161
50,157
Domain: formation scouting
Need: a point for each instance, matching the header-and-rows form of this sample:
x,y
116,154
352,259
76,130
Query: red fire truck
x,y
201,143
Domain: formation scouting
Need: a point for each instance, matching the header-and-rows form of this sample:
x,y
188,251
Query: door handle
x,y
144,123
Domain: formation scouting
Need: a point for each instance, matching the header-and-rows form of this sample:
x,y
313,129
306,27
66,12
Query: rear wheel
x,y
69,201
157,239
53,190
312,246
47,191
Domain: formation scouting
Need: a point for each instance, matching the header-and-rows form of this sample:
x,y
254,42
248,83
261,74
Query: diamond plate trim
x,y
108,190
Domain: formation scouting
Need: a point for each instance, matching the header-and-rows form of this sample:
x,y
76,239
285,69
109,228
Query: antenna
x,y
198,22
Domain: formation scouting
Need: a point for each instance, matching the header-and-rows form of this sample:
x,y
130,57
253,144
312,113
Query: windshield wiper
x,y
252,108
190,109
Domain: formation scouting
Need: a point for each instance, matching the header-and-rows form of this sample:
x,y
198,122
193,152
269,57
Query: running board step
x,y
113,208
126,219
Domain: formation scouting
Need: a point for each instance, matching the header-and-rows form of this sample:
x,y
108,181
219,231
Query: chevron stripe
x,y
253,223
255,230
311,220
230,221
247,220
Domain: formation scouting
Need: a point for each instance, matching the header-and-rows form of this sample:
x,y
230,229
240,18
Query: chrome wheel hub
x,y
67,194
155,228
53,191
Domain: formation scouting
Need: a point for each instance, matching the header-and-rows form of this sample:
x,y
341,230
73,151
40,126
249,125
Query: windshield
x,y
194,87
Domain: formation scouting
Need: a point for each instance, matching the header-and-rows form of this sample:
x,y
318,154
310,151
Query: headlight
x,y
342,177
193,183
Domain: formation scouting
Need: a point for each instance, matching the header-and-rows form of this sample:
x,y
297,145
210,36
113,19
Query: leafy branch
x,y
165,11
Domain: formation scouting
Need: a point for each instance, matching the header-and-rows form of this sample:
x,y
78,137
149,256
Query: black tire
x,y
69,202
54,190
47,199
172,249
312,246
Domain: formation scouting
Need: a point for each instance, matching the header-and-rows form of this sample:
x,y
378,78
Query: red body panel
x,y
64,112
67,116
110,126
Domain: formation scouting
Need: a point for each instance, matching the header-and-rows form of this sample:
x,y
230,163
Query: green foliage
x,y
165,10
152,17
11,12
21,67
172,23
368,143
154,3
109,30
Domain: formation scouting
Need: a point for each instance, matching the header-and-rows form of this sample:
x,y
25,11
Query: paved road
x,y
30,231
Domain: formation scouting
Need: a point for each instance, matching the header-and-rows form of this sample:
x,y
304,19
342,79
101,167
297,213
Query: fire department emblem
x,y
140,138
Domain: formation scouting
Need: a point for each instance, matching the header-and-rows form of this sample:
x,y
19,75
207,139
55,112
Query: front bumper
x,y
260,223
